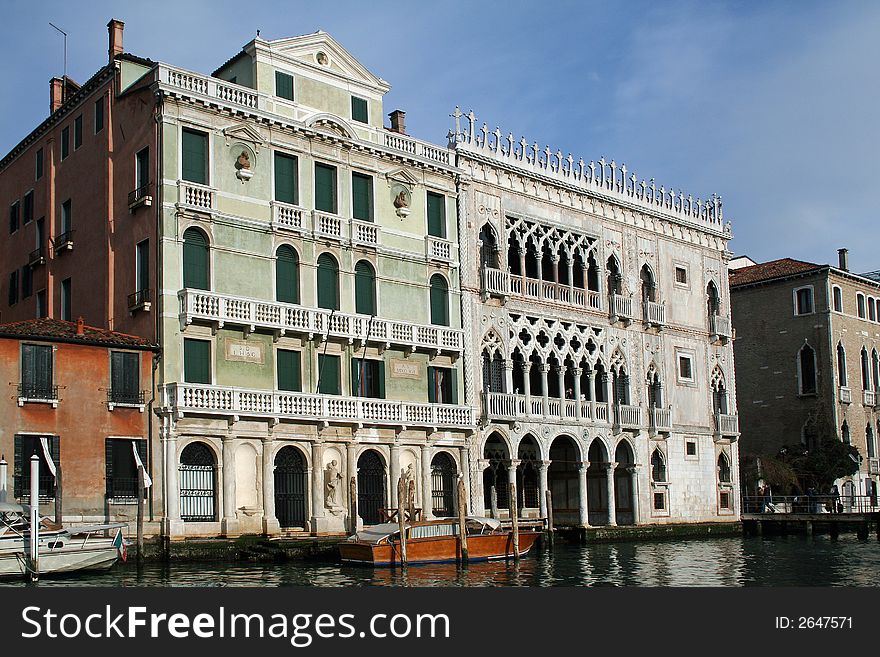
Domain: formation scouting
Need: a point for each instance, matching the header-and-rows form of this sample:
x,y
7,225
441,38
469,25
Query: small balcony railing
x,y
437,248
622,307
844,394
534,288
196,196
873,466
124,397
627,417
225,401
869,398
496,283
328,225
364,233
37,257
140,300
512,407
659,420
140,197
726,425
64,242
654,313
286,216
719,326
123,489
29,392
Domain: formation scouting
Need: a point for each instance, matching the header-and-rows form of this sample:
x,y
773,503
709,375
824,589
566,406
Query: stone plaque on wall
x,y
245,352
404,369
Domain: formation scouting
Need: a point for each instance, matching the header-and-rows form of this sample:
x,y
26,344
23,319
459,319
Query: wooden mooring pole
x,y
353,505
550,530
59,496
140,515
462,522
515,521
34,570
401,522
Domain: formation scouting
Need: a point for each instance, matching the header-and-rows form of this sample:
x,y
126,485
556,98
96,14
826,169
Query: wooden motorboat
x,y
436,541
61,550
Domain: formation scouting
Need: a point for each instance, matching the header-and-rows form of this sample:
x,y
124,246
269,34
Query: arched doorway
x,y
495,474
597,483
443,479
624,508
563,480
371,486
290,487
527,474
198,483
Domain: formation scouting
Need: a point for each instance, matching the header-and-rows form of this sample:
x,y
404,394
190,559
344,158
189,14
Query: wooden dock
x,y
757,524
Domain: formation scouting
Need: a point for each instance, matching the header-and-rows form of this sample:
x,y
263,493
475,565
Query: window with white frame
x,y
860,305
837,299
685,366
681,275
803,300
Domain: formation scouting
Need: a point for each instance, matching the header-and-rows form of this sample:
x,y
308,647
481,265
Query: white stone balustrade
x,y
873,466
496,282
869,398
605,179
437,248
184,398
512,407
254,314
628,417
364,233
418,148
720,325
502,283
328,225
844,394
193,195
622,307
726,425
288,217
655,313
660,420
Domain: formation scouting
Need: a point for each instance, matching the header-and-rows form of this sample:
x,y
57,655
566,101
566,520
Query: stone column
x,y
634,491
172,523
481,494
522,266
560,377
527,386
511,479
394,473
229,525
576,372
583,501
591,392
270,522
545,368
555,260
427,502
542,487
351,471
571,279
508,375
609,482
465,460
319,522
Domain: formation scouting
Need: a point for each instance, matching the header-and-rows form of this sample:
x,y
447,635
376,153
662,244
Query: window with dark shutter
x,y
65,142
194,153
283,85
121,468
77,132
196,361
195,260
26,447
13,216
325,188
67,300
99,115
142,266
27,282
28,210
442,386
328,282
286,179
329,375
362,197
436,215
13,288
368,378
359,109
36,372
364,288
289,370
125,378
286,275
439,301
39,164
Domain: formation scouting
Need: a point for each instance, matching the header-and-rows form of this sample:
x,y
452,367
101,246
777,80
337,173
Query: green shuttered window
x,y
77,132
195,260
25,447
439,301
36,371
125,377
289,370
362,197
286,179
328,282
194,153
436,215
286,275
329,375
364,288
325,188
283,85
359,109
196,361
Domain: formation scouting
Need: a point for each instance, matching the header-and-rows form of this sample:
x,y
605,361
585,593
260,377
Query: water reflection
x,y
733,561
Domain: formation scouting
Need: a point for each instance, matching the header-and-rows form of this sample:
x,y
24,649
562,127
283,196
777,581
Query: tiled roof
x,y
769,270
59,330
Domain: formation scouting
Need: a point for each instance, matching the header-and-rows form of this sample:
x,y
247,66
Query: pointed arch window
x,y
286,275
658,466
196,260
614,279
807,370
649,290
439,301
719,392
723,469
328,282
364,288
844,433
488,248
875,369
841,365
866,371
713,299
869,440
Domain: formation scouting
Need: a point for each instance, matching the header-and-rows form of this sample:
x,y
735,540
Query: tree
x,y
821,467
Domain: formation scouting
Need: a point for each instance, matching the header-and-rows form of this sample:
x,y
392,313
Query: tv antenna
x,y
63,79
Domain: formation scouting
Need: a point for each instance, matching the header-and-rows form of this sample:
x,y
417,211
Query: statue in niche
x,y
401,204
332,477
243,167
408,474
244,160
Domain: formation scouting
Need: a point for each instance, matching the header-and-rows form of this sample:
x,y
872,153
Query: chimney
x,y
843,259
80,326
398,121
56,94
114,29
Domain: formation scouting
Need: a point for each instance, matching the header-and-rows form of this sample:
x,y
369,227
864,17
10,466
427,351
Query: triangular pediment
x,y
246,133
320,51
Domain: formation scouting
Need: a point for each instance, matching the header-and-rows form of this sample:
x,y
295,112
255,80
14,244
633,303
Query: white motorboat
x,y
61,550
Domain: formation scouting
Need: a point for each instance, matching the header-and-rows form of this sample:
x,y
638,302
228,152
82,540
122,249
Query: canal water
x,y
729,561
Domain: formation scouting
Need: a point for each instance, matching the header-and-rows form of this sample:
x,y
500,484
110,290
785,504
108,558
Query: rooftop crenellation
x,y
607,178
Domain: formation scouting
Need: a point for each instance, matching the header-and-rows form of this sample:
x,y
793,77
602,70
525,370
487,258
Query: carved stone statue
x,y
244,161
409,477
400,201
332,477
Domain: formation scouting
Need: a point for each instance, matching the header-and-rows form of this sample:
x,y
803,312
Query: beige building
x,y
807,343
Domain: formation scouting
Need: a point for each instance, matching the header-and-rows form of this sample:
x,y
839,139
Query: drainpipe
x,y
157,358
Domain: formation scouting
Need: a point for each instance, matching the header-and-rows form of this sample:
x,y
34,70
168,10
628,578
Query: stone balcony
x,y
496,282
844,394
726,426
324,225
654,313
193,196
622,308
235,403
720,327
869,398
510,407
659,420
282,318
437,248
873,466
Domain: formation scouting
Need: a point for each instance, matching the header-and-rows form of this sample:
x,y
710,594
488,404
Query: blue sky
x,y
773,105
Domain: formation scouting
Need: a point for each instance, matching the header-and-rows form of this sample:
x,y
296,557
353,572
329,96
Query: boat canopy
x,y
491,523
375,533
11,507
